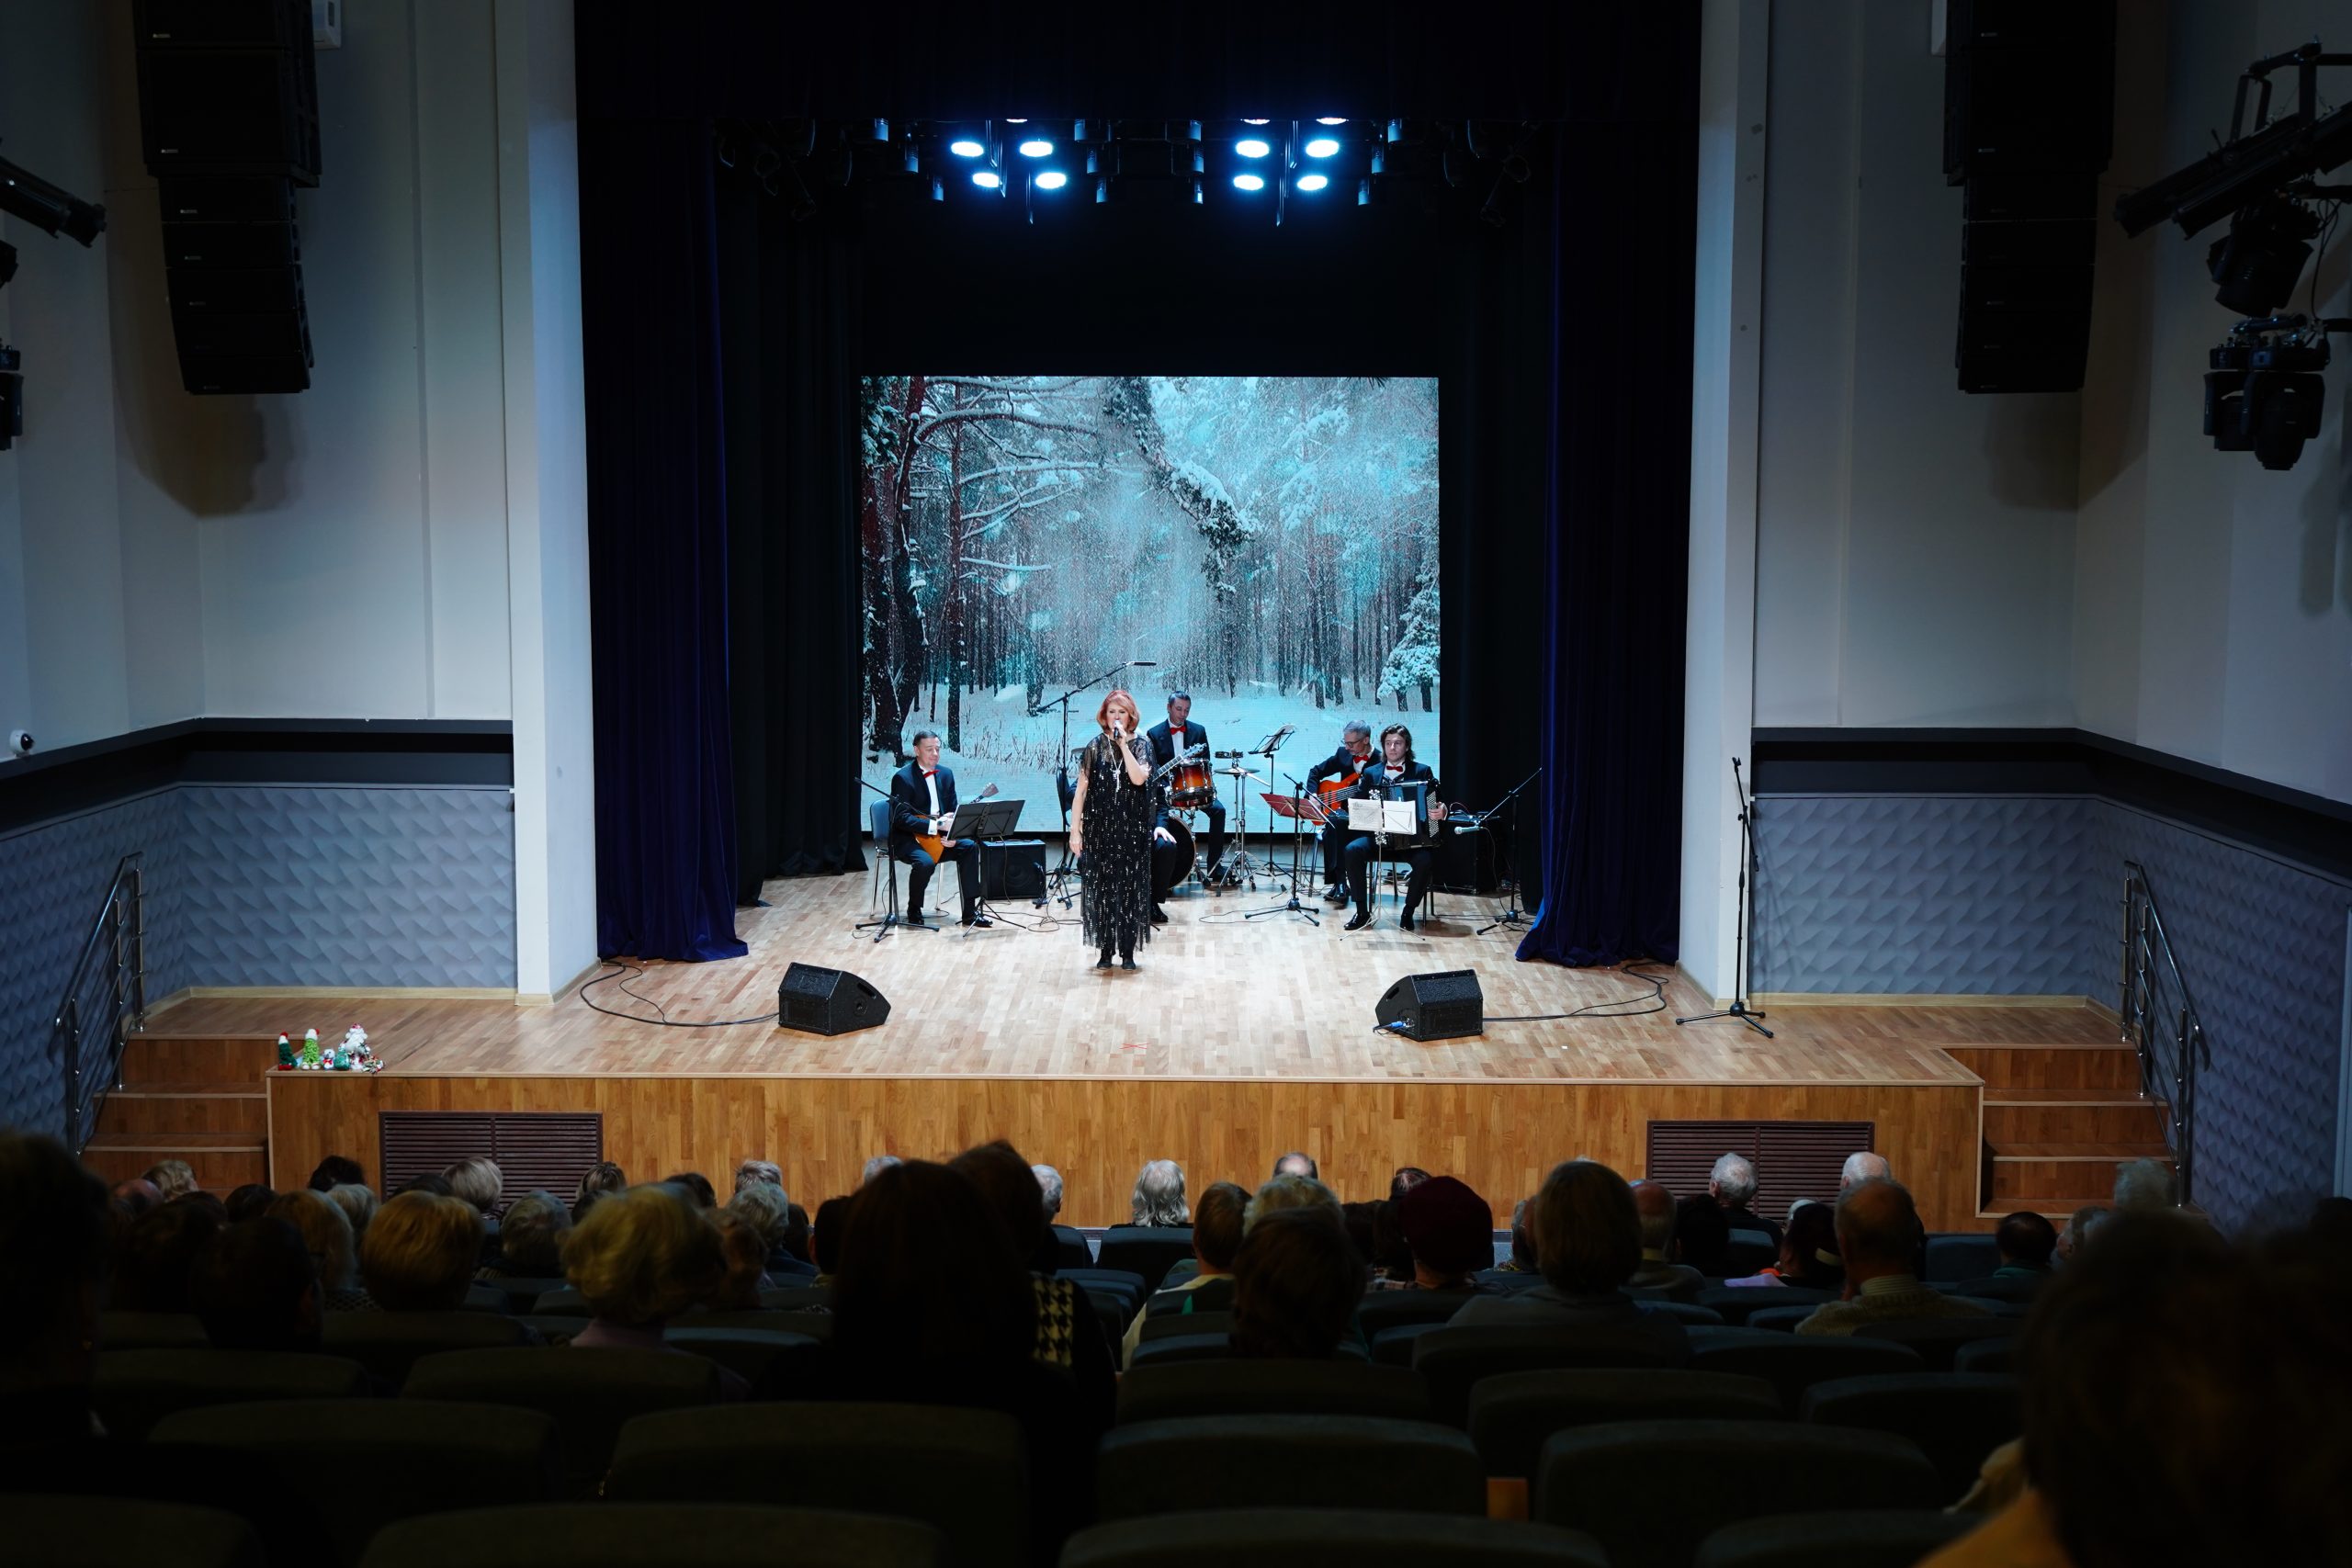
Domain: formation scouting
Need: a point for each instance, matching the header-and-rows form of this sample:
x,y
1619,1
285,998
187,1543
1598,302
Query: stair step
x,y
2060,1115
2074,1173
2050,1066
169,1106
159,1057
222,1161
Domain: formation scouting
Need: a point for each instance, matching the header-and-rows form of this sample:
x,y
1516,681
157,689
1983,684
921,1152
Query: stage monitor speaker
x,y
1445,1004
828,1001
1465,861
1012,868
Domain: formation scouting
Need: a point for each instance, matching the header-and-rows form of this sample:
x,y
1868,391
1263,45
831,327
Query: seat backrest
x,y
1386,1309
1178,1325
588,1392
1512,1416
1332,1462
1179,1348
796,1298
135,1388
1148,1251
856,1458
814,1324
656,1535
877,819
1985,1356
1960,1255
1684,1312
1631,1482
1746,1253
1876,1537
746,1352
1324,1535
124,1531
1070,1251
1736,1304
1452,1360
1938,1339
563,1301
387,1343
364,1463
1114,1278
1780,1318
150,1331
522,1291
1227,1387
1957,1418
1795,1362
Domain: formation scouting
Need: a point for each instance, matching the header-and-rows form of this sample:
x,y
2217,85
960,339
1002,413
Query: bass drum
x,y
1170,868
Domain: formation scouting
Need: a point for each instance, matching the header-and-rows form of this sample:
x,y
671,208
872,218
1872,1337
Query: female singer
x,y
1111,819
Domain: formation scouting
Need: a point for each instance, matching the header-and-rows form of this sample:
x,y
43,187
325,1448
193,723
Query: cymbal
x,y
1237,772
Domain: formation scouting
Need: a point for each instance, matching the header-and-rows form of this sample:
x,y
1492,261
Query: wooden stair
x,y
2058,1119
191,1097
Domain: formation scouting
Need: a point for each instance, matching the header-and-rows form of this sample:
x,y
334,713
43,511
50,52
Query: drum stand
x,y
1238,861
1290,906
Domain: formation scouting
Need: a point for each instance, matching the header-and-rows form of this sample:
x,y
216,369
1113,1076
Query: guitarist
x,y
922,801
1172,739
1344,764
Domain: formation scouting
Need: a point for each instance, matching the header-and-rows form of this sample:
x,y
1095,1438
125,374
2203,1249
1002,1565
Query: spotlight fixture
x,y
1252,147
1331,122
2256,262
1016,122
1257,122
1322,146
1036,147
1248,182
1052,179
964,147
987,180
1313,181
26,195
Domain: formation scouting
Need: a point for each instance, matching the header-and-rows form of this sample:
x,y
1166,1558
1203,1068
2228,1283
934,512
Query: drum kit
x,y
1190,781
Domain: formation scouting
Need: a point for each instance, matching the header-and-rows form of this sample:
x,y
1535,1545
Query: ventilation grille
x,y
1794,1159
552,1149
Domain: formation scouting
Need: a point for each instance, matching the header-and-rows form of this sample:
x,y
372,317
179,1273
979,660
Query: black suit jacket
x,y
1419,771
1163,741
1338,763
911,805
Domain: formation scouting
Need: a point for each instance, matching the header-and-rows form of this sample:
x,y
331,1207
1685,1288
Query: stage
x,y
1234,1041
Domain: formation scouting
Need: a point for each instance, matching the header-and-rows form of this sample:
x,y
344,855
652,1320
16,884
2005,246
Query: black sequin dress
x,y
1114,907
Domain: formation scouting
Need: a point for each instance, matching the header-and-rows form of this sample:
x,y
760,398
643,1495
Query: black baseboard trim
x,y
2309,829
396,754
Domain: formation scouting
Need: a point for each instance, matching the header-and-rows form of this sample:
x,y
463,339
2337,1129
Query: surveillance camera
x,y
20,741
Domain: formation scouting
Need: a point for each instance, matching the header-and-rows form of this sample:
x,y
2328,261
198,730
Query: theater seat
x,y
1287,1538
1747,1252
1869,1538
655,1535
1226,1387
961,1471
1795,1362
1986,1356
746,1352
1938,1339
1178,1325
1687,1313
811,1325
1956,1419
1629,1483
522,1291
1454,1360
1960,1255
1146,1250
1513,1416
588,1394
362,1463
150,1331
387,1343
123,1532
1780,1318
1166,1351
135,1388
1738,1304
1331,1461
1387,1309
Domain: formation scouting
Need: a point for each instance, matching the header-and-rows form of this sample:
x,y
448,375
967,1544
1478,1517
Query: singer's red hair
x,y
1118,695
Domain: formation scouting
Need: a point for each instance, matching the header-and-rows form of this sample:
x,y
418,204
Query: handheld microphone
x,y
1143,663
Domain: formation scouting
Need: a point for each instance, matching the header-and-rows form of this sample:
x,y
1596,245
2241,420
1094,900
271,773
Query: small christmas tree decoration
x,y
285,1050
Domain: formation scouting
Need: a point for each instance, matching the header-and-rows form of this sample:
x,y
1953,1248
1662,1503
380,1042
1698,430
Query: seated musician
x,y
1355,749
922,801
1172,739
1396,766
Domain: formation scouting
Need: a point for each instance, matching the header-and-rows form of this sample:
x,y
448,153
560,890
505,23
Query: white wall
x,y
2212,606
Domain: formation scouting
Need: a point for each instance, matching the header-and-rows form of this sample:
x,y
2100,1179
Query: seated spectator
x,y
1390,1253
1732,1184
173,1178
334,1256
2079,1225
157,1255
1403,1180
1519,1269
208,1201
1069,1333
752,1170
255,1288
743,1255
1296,1284
1878,1237
599,1181
1288,1191
1216,1237
1808,1252
1655,1271
478,1182
249,1201
1588,1242
641,1258
53,1232
825,1237
1702,1234
337,1170
432,1183
2143,1184
1450,1233
1298,1164
358,1204
876,1166
2184,1403
1159,1197
421,1252
530,1241
792,1257
133,1198
2025,1242
696,1186
1049,1189
1860,1166
769,1212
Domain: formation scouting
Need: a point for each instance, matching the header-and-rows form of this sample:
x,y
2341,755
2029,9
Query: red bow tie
x,y
931,772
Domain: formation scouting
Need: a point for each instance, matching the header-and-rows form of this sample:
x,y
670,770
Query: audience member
x,y
1879,1238
1296,1284
1863,1166
696,1186
335,1255
751,1171
358,1204
256,1288
1298,1164
1216,1237
156,1256
53,1233
2026,1243
210,1202
173,1178
876,1166
1522,1246
769,1212
743,1255
1808,1252
825,1237
2079,1225
1588,1237
421,1251
600,1180
249,1201
530,1239
1732,1184
641,1258
133,1198
1049,1189
1656,1273
432,1183
1288,1191
1069,1334
1390,1254
479,1181
792,1256
1450,1231
1159,1197
2143,1184
1404,1178
337,1170
1702,1234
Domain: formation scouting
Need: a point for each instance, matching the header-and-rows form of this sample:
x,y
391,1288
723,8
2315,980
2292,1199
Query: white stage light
x,y
987,179
1323,147
1252,147
1250,182
1330,122
1052,179
1313,181
1036,147
964,147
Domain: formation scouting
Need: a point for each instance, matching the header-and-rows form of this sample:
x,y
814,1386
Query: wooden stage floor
x,y
1234,1041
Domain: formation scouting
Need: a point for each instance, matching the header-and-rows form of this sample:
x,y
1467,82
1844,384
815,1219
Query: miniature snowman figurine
x,y
354,1040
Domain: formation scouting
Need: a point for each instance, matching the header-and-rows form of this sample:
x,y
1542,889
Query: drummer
x,y
1172,739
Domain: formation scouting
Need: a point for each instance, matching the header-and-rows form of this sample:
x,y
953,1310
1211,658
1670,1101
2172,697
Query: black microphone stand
x,y
890,920
1512,916
1292,906
1739,1008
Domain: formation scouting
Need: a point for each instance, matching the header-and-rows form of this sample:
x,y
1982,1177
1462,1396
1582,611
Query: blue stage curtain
x,y
1616,519
657,543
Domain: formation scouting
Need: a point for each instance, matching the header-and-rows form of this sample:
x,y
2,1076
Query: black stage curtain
x,y
656,543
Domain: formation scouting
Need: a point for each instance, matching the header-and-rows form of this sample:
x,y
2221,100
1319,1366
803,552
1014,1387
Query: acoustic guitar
x,y
935,845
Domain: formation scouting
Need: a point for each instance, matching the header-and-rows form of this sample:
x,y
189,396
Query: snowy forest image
x,y
1270,542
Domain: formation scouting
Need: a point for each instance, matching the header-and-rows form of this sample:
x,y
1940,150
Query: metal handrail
x,y
120,932
2173,1080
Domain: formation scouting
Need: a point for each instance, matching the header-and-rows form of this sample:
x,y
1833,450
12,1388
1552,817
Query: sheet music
x,y
1391,816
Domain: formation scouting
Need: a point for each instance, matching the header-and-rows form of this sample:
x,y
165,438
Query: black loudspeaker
x,y
1442,1005
1466,861
1012,868
828,1001
228,104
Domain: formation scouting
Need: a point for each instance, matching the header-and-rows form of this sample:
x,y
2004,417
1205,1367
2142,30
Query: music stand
x,y
982,820
1298,809
1238,861
1381,815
